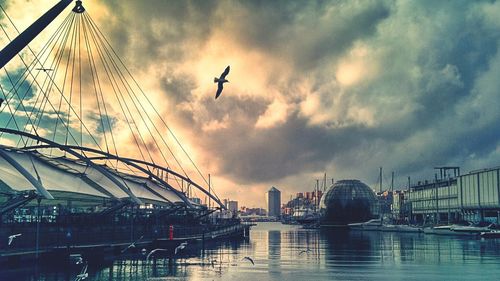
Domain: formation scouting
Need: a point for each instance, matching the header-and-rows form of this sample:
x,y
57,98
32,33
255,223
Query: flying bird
x,y
132,245
79,260
154,251
220,82
83,274
1,101
248,258
12,237
180,247
304,251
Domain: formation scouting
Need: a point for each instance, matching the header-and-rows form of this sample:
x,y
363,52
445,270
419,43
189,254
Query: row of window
x,y
477,190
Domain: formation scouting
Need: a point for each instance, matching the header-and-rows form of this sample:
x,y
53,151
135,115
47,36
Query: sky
x,y
335,87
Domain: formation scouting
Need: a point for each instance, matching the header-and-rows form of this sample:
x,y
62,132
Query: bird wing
x,y
150,253
248,258
178,248
226,72
219,90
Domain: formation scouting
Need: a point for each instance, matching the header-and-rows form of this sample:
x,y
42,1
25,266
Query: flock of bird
x,y
84,274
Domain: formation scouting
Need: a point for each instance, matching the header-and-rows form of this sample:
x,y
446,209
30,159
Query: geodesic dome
x,y
347,201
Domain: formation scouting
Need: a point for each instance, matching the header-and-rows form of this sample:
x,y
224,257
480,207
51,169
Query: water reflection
x,y
289,253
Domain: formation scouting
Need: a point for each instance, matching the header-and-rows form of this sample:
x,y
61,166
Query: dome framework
x,y
348,201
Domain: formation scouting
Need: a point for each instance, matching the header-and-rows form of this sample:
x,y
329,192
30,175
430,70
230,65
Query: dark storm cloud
x,y
433,99
158,29
16,86
310,31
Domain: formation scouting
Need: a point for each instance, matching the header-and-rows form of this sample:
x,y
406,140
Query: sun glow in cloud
x,y
355,68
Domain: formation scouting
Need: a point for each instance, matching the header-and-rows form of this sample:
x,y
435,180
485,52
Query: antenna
x,y
380,179
392,181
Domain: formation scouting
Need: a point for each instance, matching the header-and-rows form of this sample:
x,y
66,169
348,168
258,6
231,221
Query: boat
x,y
440,230
374,224
400,228
305,216
470,230
453,229
408,228
490,234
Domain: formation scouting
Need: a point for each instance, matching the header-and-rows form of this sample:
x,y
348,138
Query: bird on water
x,y
220,82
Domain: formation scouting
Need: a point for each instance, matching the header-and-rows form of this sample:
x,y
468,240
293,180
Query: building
x,y
253,211
232,206
273,199
348,201
471,197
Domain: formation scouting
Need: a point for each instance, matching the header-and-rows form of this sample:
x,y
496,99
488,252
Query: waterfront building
x,y
273,198
471,197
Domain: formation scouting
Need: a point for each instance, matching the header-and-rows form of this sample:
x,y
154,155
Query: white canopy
x,y
63,174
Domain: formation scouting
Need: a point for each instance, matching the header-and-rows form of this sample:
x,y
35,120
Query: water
x,y
279,253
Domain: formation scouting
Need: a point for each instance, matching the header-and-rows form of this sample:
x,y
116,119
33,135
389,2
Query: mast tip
x,y
78,7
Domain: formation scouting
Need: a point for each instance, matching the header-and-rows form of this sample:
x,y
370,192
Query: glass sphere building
x,y
348,201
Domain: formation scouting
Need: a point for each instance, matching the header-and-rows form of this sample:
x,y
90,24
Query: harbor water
x,y
284,252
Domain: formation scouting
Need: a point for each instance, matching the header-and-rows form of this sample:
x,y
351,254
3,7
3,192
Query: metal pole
x,y
380,179
437,198
23,39
392,181
39,218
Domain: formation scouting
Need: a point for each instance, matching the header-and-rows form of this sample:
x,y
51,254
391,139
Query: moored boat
x,y
470,230
467,230
490,234
374,224
400,228
408,228
439,230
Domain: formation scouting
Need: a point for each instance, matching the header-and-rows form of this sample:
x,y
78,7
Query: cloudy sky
x,y
342,87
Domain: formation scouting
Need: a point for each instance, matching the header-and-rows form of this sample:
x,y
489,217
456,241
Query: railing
x,y
52,236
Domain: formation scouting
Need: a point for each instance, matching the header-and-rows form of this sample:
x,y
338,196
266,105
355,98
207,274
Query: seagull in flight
x,y
180,247
304,251
12,237
220,82
132,245
83,274
44,69
154,251
248,258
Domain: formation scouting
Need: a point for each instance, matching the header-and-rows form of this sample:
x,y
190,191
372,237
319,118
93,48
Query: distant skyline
x,y
342,87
